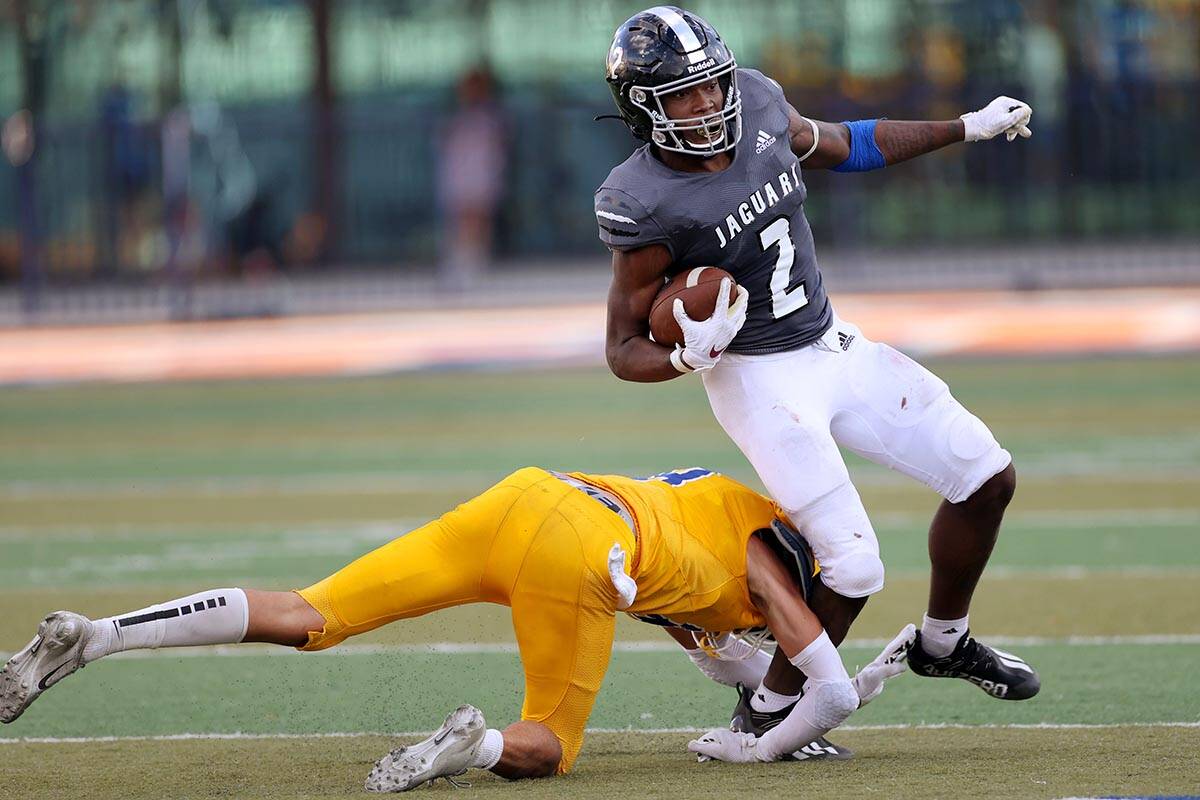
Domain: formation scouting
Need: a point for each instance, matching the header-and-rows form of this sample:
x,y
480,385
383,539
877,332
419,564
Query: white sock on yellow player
x,y
215,616
490,750
767,701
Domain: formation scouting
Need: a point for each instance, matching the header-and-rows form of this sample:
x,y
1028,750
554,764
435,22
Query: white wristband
x,y
678,362
816,138
970,127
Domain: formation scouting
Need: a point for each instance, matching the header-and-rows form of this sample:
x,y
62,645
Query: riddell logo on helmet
x,y
702,65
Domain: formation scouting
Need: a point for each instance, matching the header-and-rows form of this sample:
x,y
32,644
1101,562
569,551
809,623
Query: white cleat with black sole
x,y
446,754
55,653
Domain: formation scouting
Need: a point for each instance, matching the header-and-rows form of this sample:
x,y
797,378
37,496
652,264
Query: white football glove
x,y
626,586
888,664
1002,115
704,340
723,744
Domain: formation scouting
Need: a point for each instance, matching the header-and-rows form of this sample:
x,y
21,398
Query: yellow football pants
x,y
531,542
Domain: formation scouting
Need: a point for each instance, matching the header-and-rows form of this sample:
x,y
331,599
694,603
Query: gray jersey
x,y
747,219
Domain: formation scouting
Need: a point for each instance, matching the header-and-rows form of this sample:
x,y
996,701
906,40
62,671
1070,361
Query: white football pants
x,y
789,412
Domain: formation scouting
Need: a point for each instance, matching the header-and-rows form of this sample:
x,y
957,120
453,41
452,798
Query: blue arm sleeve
x,y
864,153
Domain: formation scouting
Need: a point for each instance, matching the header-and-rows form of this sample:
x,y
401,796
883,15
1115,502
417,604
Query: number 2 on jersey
x,y
784,301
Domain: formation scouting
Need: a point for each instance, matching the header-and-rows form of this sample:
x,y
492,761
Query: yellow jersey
x,y
692,529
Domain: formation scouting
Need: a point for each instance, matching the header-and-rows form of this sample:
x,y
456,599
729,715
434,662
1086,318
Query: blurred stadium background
x,y
343,205
215,158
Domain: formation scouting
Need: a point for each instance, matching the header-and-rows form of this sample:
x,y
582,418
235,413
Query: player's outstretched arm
x,y
637,277
820,145
872,144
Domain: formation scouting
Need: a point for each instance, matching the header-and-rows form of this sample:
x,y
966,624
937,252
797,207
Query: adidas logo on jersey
x,y
845,340
765,140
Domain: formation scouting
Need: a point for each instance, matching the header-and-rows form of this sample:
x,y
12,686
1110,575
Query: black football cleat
x,y
746,719
1000,674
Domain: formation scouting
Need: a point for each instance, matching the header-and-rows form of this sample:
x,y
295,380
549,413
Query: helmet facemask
x,y
725,646
722,129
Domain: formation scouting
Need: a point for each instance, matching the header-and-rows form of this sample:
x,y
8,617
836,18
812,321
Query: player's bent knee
x,y
531,750
549,758
1003,485
542,763
979,469
855,574
843,540
996,492
552,764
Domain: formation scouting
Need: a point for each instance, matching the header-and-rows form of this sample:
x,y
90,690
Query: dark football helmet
x,y
663,50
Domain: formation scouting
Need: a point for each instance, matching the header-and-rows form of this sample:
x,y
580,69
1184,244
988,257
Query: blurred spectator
x,y
242,207
473,154
127,207
1112,83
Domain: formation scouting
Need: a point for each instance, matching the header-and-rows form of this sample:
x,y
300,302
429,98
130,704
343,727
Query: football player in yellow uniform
x,y
565,552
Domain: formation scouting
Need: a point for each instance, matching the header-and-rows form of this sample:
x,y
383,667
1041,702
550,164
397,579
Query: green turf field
x,y
115,497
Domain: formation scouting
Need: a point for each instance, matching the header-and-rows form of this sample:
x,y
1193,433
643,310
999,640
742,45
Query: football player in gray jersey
x,y
719,182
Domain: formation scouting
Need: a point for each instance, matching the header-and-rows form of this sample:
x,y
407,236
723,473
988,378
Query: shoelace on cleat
x,y
978,655
454,783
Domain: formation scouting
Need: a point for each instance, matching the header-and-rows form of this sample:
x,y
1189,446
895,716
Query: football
x,y
698,289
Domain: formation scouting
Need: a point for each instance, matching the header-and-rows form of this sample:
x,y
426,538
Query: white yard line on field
x,y
250,485
1083,466
186,737
232,560
118,531
649,646
1084,519
1071,572
1063,518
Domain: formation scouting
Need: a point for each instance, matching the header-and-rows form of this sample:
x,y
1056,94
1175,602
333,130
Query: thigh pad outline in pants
x,y
795,455
564,614
849,557
900,415
768,411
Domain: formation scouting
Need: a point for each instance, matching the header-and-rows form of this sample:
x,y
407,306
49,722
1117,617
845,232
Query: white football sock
x,y
490,750
939,636
216,616
764,699
820,661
